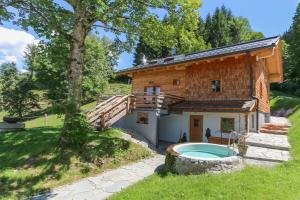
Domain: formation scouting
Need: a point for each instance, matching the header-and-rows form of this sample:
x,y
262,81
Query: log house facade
x,y
224,85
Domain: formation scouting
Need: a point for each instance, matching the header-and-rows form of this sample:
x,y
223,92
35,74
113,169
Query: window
x,y
252,121
151,90
176,82
227,125
216,86
142,118
196,122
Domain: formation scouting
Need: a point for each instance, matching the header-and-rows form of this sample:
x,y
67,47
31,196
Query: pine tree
x,y
293,58
223,28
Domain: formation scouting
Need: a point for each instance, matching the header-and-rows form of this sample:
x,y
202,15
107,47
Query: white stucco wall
x,y
261,117
149,131
174,125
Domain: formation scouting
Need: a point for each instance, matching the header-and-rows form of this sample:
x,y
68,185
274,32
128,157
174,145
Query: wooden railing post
x,y
102,120
128,104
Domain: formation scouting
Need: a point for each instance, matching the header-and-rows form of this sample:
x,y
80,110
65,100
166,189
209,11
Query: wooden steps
x,y
277,129
109,112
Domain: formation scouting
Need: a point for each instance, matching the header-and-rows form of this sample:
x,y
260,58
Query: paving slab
x,y
272,141
106,184
283,121
267,154
260,163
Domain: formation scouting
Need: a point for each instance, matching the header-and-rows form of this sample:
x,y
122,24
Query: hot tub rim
x,y
225,159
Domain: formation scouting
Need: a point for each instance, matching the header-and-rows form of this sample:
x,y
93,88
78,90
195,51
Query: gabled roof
x,y
222,51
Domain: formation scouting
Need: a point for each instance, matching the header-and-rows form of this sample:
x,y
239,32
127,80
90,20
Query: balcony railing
x,y
154,101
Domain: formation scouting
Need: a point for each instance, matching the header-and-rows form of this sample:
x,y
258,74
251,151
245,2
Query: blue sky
x,y
272,17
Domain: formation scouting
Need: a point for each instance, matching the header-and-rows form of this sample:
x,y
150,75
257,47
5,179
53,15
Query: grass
x,y
118,88
281,100
2,114
30,161
281,182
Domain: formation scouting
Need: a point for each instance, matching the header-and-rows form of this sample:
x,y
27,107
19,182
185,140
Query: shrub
x,y
170,161
75,132
297,92
16,95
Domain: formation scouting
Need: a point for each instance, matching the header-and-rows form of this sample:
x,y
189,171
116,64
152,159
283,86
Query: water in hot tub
x,y
205,151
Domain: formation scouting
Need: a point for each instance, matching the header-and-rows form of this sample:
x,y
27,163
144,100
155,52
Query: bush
x,y
75,132
297,93
170,161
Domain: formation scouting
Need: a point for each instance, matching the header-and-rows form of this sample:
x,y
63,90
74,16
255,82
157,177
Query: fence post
x,y
46,120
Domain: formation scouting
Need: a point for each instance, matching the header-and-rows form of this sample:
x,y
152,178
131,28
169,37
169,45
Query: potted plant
x,y
242,146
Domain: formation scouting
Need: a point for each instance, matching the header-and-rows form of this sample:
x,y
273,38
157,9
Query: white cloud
x,y
13,44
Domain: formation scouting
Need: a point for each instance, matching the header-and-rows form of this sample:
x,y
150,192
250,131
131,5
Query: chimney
x,y
173,51
144,59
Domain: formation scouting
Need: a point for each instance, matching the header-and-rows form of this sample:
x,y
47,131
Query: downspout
x,y
157,129
251,90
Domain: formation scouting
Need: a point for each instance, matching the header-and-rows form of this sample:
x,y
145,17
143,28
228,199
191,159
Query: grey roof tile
x,y
226,50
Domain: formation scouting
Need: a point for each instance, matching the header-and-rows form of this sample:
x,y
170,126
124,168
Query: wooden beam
x,y
263,52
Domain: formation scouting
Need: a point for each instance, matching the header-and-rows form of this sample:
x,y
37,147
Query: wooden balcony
x,y
154,101
114,108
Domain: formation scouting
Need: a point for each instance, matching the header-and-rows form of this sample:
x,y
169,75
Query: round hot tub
x,y
196,158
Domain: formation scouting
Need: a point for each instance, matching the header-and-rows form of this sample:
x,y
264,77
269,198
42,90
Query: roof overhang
x,y
237,106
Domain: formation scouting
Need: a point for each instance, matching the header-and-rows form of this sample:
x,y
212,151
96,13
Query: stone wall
x,y
184,165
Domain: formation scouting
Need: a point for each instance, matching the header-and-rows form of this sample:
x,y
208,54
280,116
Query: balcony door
x,y
149,91
152,90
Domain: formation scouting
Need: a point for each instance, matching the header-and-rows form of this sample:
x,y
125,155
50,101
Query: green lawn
x,y
2,114
30,161
118,88
281,182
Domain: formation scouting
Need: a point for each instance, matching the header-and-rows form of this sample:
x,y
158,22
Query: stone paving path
x,y
267,149
266,154
107,183
268,141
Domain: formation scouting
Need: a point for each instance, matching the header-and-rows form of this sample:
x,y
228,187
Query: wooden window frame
x,y
154,89
141,115
211,83
222,125
176,82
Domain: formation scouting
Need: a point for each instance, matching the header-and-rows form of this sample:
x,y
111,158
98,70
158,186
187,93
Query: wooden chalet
x,y
207,93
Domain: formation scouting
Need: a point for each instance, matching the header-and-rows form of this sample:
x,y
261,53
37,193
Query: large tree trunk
x,y
76,67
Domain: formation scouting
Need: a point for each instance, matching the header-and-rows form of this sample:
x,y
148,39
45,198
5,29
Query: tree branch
x,y
113,29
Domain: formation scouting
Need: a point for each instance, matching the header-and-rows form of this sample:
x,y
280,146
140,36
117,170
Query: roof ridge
x,y
233,45
217,48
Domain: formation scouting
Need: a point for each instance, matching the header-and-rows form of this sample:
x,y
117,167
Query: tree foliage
x,y
294,48
124,18
291,52
16,96
223,28
191,33
49,60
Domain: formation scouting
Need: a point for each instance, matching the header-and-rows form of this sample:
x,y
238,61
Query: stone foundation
x,y
185,165
11,127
